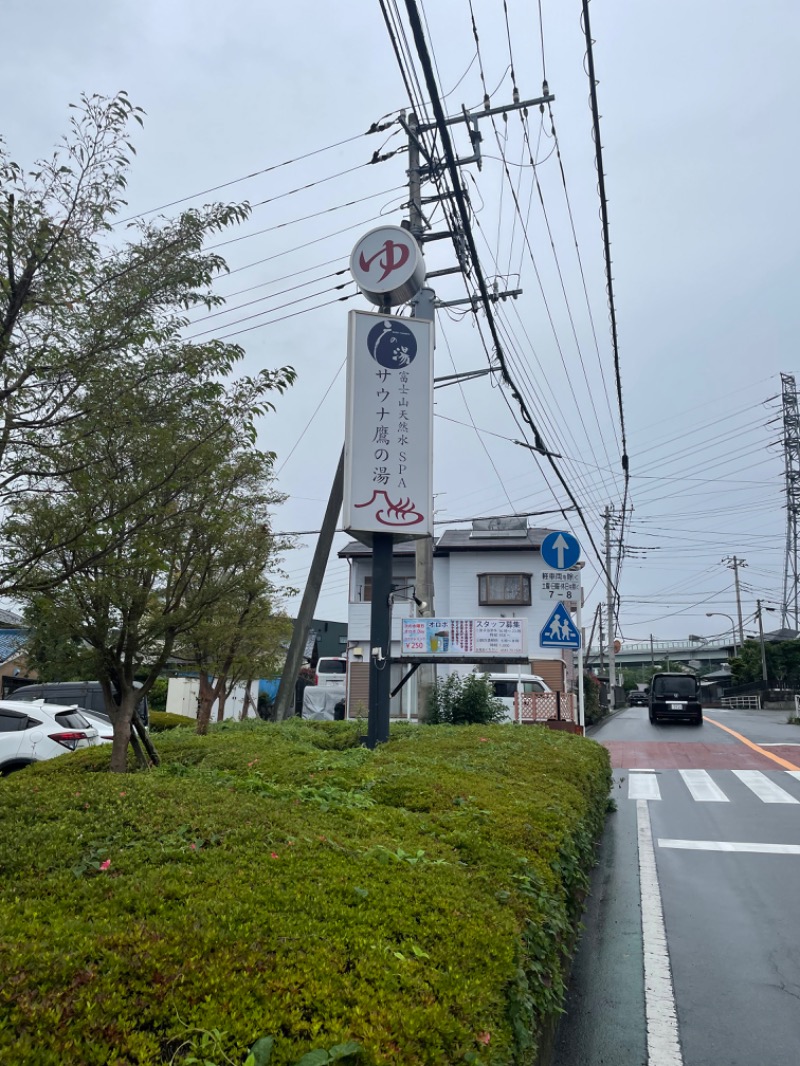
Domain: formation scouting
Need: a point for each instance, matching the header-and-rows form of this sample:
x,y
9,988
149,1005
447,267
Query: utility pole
x,y
600,608
761,638
284,704
759,610
612,663
421,307
790,607
652,653
734,564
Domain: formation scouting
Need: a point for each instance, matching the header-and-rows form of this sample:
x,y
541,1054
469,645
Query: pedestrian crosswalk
x,y
702,787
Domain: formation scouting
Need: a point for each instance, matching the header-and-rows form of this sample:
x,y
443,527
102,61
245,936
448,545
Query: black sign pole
x,y
380,640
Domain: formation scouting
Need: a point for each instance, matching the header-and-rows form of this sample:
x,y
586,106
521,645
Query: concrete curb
x,y
592,729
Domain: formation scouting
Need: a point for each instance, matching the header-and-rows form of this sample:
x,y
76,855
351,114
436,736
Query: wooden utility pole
x,y
284,704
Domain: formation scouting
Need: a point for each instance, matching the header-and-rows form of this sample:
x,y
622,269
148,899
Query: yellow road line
x,y
761,751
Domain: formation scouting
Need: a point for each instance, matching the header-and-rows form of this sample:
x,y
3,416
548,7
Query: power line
x,y
270,310
458,194
375,128
302,218
598,148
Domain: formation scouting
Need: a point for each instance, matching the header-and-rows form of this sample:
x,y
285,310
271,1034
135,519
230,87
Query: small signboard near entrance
x,y
455,638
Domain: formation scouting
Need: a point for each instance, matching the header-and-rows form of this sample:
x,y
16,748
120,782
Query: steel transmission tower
x,y
791,455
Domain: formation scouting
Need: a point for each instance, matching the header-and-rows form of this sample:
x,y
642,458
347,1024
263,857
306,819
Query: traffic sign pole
x,y
581,707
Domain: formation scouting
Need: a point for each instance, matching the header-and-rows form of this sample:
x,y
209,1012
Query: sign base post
x,y
380,640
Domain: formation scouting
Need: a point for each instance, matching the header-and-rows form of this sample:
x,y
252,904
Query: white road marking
x,y
727,845
766,790
643,787
794,773
663,1045
703,787
779,744
642,770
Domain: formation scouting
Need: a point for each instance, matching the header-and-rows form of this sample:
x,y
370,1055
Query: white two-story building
x,y
477,573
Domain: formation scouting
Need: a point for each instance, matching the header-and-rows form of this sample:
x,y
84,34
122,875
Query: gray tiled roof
x,y
459,540
11,641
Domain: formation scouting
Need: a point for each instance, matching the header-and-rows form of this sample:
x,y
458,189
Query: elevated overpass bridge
x,y
711,653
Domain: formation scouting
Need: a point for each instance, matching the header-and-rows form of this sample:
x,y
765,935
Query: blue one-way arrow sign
x,y
560,551
559,630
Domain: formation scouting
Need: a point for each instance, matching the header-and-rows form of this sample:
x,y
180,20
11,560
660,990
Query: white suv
x,y
30,732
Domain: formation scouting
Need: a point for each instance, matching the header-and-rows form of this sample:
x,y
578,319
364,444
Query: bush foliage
x,y
469,700
281,883
161,721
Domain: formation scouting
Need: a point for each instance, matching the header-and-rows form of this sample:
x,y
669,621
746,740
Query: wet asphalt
x,y
732,919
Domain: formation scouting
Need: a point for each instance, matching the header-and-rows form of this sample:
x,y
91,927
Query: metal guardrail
x,y
743,703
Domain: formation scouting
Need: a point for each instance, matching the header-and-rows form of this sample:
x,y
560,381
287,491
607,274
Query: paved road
x,y
691,953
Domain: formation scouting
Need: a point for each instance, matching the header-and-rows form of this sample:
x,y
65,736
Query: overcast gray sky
x,y
699,123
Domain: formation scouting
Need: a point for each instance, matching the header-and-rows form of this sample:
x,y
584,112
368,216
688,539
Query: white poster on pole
x,y
388,469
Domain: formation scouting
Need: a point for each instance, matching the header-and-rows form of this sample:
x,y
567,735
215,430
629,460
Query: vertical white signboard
x,y
389,427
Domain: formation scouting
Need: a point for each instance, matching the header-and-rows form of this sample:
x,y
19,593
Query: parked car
x,y
33,732
505,687
102,723
638,697
86,694
675,696
331,671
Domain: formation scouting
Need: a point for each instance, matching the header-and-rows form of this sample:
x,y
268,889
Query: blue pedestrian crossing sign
x,y
560,551
559,630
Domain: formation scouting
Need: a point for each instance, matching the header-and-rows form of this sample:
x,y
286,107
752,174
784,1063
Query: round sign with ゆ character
x,y
387,266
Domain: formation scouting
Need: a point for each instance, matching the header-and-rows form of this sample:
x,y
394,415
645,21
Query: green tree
x,y
86,311
746,667
197,494
783,663
243,638
591,699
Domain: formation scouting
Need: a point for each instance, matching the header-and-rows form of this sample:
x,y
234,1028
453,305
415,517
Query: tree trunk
x,y
137,751
223,695
140,731
248,701
204,702
121,716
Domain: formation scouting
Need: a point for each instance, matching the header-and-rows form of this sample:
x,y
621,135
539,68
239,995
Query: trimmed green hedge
x,y
281,881
160,721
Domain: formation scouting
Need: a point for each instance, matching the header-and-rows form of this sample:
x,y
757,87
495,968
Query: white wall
x,y
183,693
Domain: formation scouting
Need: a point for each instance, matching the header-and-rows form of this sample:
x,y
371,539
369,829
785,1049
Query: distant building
x,y
477,573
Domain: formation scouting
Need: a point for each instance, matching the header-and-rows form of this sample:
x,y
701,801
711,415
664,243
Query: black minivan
x,y
88,694
675,696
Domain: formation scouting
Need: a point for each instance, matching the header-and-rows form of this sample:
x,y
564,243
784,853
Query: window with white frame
x,y
363,591
504,590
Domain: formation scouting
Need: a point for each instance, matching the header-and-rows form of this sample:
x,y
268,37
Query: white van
x,y
330,672
506,686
